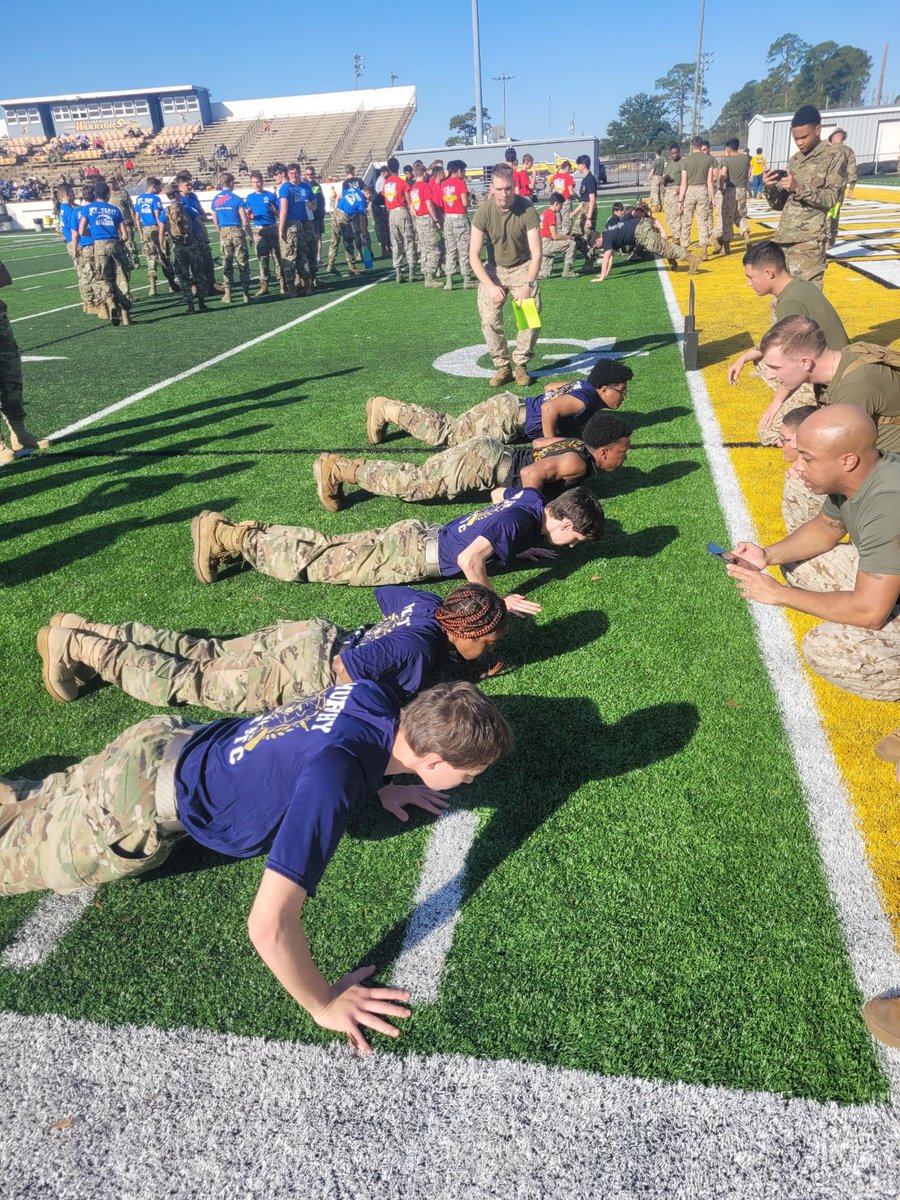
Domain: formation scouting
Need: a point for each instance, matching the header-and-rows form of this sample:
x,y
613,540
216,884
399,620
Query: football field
x,y
637,947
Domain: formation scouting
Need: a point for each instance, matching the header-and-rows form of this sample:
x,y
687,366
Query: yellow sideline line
x,y
730,317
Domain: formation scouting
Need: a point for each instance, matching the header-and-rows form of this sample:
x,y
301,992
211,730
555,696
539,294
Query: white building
x,y
873,133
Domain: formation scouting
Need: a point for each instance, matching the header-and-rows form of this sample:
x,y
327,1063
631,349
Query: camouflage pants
x,y
717,205
477,465
798,503
550,249
403,238
566,215
803,395
87,276
111,271
344,230
656,192
266,244
370,558
299,251
382,231
361,221
501,416
651,239
131,249
456,245
673,216
426,245
491,313
190,265
734,212
233,242
831,572
155,254
696,200
10,371
92,823
248,674
206,257
806,260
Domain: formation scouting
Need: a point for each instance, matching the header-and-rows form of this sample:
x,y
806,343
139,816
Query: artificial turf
x,y
644,896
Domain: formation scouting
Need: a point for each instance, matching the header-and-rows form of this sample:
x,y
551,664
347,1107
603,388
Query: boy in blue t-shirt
x,y
297,231
346,216
263,208
108,233
188,198
285,783
409,551
415,638
230,217
562,411
151,217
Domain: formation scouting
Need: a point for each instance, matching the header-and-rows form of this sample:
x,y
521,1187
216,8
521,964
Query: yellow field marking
x,y
730,318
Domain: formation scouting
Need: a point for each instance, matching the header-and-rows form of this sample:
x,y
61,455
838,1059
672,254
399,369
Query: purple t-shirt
x,y
511,526
287,780
571,424
402,650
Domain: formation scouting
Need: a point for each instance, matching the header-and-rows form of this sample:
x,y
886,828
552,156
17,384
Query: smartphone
x,y
728,557
780,174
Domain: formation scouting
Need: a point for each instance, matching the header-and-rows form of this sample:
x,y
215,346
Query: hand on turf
x,y
521,607
352,1005
756,585
536,553
752,553
395,797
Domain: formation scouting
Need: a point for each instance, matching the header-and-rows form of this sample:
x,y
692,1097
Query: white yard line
x,y
38,936
38,274
62,308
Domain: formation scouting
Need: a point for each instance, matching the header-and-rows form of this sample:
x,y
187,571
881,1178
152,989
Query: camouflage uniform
x,y
190,265
87,276
111,273
241,675
478,465
834,214
799,398
403,238
11,391
155,254
798,503
670,202
405,552
491,313
266,243
696,200
501,416
457,231
734,212
425,232
803,229
94,822
656,183
550,249
233,243
122,201
298,251
343,230
648,236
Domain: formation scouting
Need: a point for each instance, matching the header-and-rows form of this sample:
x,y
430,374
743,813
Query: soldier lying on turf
x,y
408,551
284,783
481,465
858,646
561,411
273,666
640,229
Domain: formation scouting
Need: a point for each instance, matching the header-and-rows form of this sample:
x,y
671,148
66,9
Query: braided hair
x,y
472,611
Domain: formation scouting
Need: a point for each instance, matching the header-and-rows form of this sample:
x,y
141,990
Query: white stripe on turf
x,y
38,274
62,308
430,933
866,929
38,936
210,362
183,1113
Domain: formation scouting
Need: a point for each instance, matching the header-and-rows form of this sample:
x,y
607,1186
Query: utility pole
x,y
476,51
881,76
698,75
358,68
504,79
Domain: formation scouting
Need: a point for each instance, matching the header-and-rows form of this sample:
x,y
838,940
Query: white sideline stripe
x,y
854,891
35,287
38,274
210,362
186,1113
38,936
29,257
62,308
439,895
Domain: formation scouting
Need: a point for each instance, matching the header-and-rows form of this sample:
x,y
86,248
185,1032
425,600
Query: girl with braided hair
x,y
418,634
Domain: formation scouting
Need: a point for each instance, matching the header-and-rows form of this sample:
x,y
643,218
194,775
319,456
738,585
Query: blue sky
x,y
226,49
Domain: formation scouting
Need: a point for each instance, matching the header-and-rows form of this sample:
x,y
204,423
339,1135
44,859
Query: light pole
x,y
698,75
504,79
358,68
394,78
476,52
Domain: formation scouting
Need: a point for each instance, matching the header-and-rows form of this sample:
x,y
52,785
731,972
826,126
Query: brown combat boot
x,y
696,260
673,264
431,282
521,376
6,454
215,539
64,653
226,294
502,375
21,439
102,311
263,289
125,316
379,412
882,1015
151,288
331,472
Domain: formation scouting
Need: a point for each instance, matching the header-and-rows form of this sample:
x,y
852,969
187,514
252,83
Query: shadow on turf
x,y
724,349
633,479
640,420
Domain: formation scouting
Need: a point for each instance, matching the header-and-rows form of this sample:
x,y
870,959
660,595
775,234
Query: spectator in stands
x,y
267,126
243,168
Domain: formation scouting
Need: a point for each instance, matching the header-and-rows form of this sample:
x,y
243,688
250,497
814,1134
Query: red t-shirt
x,y
563,183
395,191
419,195
436,198
523,182
453,197
548,223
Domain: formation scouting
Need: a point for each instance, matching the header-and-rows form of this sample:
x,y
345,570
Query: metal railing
x,y
340,148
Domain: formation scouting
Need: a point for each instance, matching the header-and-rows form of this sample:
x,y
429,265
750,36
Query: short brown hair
x,y
794,419
457,722
503,171
795,336
579,506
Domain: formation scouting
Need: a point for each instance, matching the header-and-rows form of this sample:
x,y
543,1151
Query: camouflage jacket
x,y
852,172
821,179
122,201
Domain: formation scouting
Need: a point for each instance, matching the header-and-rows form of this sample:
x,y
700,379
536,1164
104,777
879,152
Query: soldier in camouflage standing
x,y
734,168
11,387
671,181
150,214
426,225
805,194
118,195
839,139
230,217
262,206
188,254
655,181
695,195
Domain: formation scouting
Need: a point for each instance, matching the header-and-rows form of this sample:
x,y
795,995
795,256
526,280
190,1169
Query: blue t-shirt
x,y
296,195
402,650
149,209
352,201
227,207
192,204
511,526
288,780
105,221
84,239
68,221
259,205
570,425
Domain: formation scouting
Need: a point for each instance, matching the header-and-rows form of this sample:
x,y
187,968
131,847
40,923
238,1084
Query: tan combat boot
x,y
226,294
431,282
882,1015
521,376
331,472
102,311
125,316
469,284
6,454
64,653
696,260
263,289
21,439
448,286
502,375
215,539
380,411
151,287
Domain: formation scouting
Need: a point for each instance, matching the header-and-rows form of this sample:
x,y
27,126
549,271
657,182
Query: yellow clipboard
x,y
527,315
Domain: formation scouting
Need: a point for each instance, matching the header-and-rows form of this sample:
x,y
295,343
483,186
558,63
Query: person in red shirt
x,y
524,179
437,175
426,224
455,202
396,198
563,181
553,242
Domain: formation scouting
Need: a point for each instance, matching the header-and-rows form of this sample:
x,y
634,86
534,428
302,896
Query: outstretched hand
x,y
351,1005
521,607
735,368
396,797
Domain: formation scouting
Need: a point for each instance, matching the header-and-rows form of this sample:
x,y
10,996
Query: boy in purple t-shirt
x,y
408,551
284,783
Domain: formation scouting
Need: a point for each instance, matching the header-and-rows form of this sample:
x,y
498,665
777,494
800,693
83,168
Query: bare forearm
x,y
843,608
285,951
809,541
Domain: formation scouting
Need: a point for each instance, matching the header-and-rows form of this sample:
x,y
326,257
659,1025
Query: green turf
x,y
644,896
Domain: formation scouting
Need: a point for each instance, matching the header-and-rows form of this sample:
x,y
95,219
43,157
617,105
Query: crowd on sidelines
x,y
321,716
